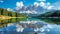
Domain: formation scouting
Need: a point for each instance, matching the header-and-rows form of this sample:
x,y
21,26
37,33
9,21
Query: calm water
x,y
30,26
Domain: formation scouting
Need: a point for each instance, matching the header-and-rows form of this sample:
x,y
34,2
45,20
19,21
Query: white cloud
x,y
1,1
42,4
41,0
49,7
45,5
36,3
9,9
48,3
19,5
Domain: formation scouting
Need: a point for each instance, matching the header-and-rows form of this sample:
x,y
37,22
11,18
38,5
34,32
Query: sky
x,y
12,3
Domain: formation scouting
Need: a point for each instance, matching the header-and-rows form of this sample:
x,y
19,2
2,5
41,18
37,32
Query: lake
x,y
29,26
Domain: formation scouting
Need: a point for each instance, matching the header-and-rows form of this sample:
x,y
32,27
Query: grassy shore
x,y
4,20
8,17
4,17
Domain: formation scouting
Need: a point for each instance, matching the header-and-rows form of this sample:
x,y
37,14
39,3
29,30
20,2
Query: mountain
x,y
55,13
50,17
31,8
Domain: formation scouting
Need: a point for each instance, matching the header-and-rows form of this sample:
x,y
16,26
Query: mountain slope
x,y
51,17
51,14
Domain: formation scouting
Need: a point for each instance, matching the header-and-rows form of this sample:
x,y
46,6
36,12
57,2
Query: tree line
x,y
5,12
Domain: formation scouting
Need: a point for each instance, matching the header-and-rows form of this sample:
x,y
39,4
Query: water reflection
x,y
40,27
4,23
51,20
30,26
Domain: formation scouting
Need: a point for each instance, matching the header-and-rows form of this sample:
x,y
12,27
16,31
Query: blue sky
x,y
12,3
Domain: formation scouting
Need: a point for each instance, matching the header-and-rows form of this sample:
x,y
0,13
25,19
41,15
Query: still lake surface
x,y
31,26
